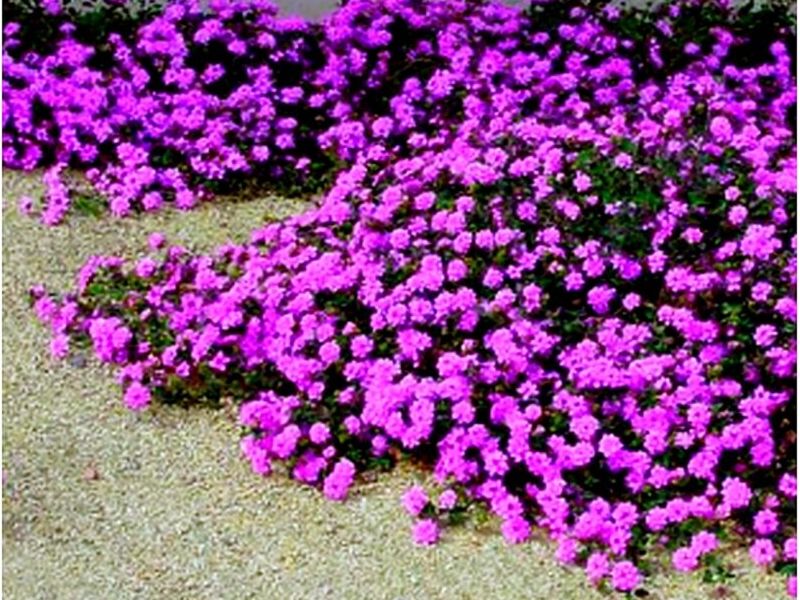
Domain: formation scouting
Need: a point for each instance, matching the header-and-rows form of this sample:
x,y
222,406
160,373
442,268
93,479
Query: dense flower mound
x,y
197,100
559,270
189,105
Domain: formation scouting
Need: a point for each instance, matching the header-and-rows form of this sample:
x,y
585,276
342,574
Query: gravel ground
x,y
103,503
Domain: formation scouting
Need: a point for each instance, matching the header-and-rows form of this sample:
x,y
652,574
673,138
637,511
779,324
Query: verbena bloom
x,y
338,482
414,500
735,492
447,500
319,433
59,346
516,530
631,301
765,335
597,567
25,205
600,297
765,522
625,576
426,532
704,542
790,549
737,214
721,129
156,240
762,552
137,396
685,559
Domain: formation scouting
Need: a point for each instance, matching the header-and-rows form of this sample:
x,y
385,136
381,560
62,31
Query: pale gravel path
x,y
175,512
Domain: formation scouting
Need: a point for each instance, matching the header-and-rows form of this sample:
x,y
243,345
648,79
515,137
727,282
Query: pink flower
x,y
567,550
790,549
447,500
625,576
599,298
425,532
25,205
788,485
693,235
338,482
765,335
736,493
762,552
765,522
137,396
721,130
631,301
156,240
59,346
704,542
414,500
319,433
516,530
582,182
597,567
737,214
732,193
329,352
685,559
761,291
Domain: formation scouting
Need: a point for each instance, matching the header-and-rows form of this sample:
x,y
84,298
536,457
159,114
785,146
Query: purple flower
x,y
426,532
704,542
765,335
625,576
788,485
765,522
721,130
685,559
156,241
338,482
516,530
137,396
319,433
448,500
790,549
597,567
736,493
600,297
414,500
25,205
582,182
762,552
329,352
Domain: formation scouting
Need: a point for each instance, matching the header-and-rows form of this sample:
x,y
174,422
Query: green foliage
x,y
90,205
110,287
715,570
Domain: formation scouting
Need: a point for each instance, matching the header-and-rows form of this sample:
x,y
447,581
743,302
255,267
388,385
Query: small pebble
x,y
91,473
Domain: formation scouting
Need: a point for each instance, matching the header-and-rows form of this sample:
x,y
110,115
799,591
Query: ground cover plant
x,y
554,262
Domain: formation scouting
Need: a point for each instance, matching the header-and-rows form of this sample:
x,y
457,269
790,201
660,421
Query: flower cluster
x,y
192,103
201,99
559,270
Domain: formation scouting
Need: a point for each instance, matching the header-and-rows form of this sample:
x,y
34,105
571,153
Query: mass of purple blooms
x,y
555,265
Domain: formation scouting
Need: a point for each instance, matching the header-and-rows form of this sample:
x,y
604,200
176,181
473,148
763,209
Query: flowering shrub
x,y
559,270
190,105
